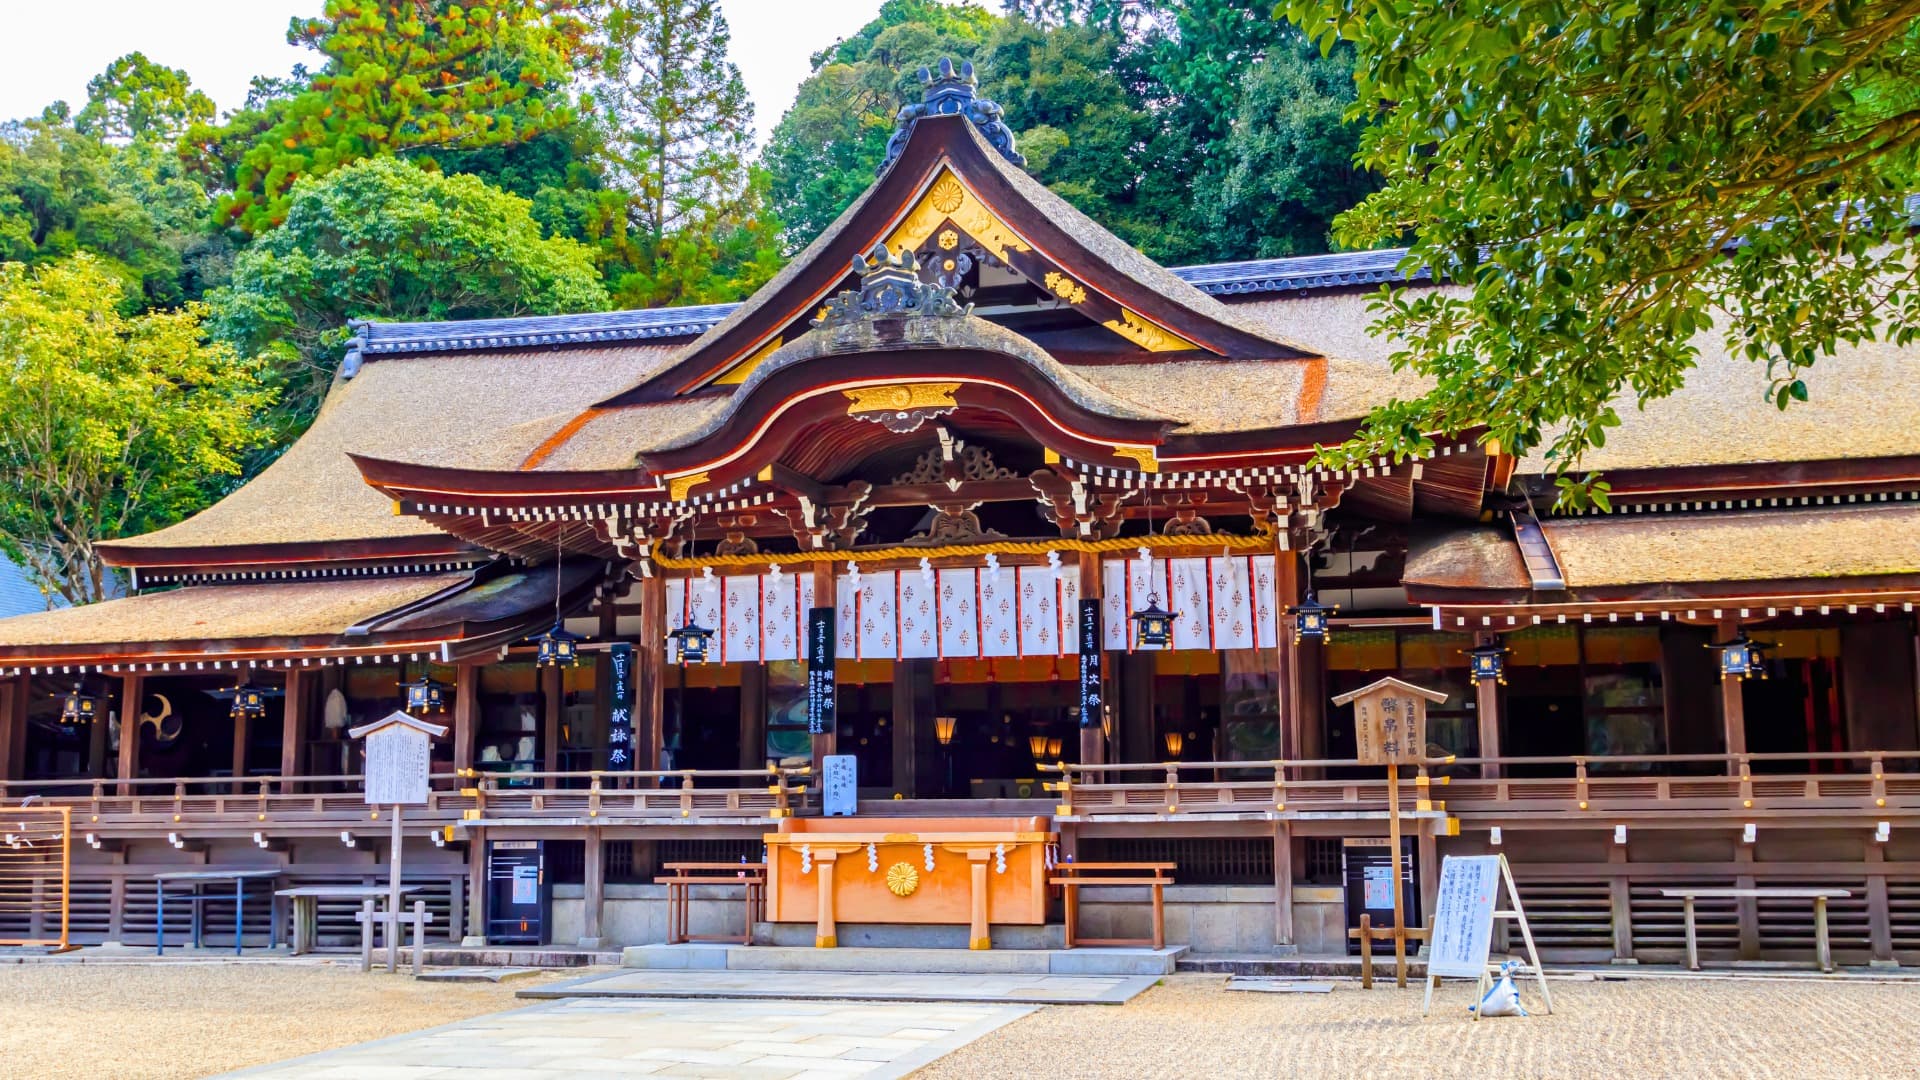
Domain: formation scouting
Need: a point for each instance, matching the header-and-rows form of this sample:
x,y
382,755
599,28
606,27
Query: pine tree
x,y
679,129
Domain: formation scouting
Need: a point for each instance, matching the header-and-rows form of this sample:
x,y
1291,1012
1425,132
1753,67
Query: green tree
x,y
136,98
414,78
110,424
62,191
1608,183
384,239
823,153
678,127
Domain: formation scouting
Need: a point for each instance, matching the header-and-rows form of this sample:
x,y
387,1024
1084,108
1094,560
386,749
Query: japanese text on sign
x,y
620,699
1463,916
820,684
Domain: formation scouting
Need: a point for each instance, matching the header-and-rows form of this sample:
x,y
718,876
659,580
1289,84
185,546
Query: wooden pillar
x,y
1620,904
466,715
649,673
293,726
753,717
13,729
476,933
97,740
1286,592
1486,704
1733,703
241,728
594,890
1426,849
906,748
552,692
1748,907
133,700
1879,913
1282,883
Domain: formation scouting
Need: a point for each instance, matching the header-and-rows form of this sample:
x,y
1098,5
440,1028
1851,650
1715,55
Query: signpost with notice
x,y
1389,728
399,756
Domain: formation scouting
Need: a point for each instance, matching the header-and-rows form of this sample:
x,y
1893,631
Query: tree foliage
x,y
1609,184
110,424
677,128
136,98
389,240
404,77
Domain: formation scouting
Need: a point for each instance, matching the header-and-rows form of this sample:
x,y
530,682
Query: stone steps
x,y
721,957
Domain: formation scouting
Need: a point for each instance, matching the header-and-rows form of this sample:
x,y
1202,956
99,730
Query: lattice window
x,y
1659,922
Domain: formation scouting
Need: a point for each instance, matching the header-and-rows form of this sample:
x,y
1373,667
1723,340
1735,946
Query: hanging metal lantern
x,y
1155,623
1175,741
943,729
1311,619
78,706
1489,662
1037,745
428,695
558,648
695,643
246,701
1741,657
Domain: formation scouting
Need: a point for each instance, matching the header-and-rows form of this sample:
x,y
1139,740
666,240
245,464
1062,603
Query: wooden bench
x,y
1823,949
1154,875
681,877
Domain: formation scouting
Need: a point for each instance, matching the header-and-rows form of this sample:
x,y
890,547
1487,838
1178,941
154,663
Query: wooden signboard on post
x,y
399,756
1390,727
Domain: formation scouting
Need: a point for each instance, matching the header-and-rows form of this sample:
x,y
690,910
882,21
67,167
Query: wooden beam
x,y
133,698
293,724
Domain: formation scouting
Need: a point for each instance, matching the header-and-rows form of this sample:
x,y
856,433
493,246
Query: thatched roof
x,y
448,407
206,612
1817,542
1480,557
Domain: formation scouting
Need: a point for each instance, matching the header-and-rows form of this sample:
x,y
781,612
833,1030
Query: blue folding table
x,y
196,900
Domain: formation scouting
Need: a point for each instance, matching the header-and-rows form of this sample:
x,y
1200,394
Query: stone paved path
x,y
853,986
750,1040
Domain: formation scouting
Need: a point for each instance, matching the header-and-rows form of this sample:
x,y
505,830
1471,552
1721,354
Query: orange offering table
x,y
976,871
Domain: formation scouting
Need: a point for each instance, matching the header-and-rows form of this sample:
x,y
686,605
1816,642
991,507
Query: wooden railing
x,y
1224,787
166,804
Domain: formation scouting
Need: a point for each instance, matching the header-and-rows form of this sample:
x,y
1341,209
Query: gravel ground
x,y
1191,1027
178,1020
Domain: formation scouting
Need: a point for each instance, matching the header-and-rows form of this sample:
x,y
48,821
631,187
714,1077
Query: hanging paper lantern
x,y
943,729
1175,741
1489,662
1037,745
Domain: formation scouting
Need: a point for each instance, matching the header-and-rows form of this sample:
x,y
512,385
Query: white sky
x,y
50,48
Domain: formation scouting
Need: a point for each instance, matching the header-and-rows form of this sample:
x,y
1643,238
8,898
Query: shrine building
x,y
1025,535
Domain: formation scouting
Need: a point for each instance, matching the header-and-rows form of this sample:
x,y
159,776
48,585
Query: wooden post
x,y
97,741
240,727
466,715
551,692
594,889
1286,592
293,726
1366,951
825,935
906,749
1093,742
753,716
1879,913
826,743
133,700
1282,883
393,894
979,935
1486,703
1620,905
1733,709
1399,902
476,933
13,729
649,672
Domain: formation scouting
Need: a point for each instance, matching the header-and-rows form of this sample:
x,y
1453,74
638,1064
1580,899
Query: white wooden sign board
x,y
1463,916
399,758
839,785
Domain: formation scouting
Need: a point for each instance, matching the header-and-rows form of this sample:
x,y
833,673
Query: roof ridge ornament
x,y
953,93
890,288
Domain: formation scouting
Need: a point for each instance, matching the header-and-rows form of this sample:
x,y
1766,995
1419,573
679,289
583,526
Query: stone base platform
x,y
899,936
999,988
1300,967
697,957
